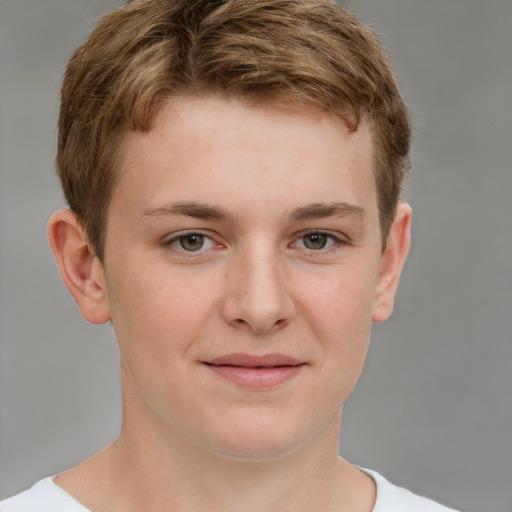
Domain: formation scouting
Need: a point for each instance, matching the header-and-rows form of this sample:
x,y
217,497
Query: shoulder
x,y
391,498
44,496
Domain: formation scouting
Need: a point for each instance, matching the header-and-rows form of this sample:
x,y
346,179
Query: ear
x,y
392,262
79,268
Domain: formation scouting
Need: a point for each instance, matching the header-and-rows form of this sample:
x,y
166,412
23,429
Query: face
x,y
241,266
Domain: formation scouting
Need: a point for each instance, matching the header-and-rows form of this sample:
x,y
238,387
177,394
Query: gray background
x,y
433,408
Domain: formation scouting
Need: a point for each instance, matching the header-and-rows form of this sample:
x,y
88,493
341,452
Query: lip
x,y
256,372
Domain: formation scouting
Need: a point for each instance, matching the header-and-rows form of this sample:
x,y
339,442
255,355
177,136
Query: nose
x,y
257,294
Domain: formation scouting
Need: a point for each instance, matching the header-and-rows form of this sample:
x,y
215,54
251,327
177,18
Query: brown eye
x,y
192,242
315,241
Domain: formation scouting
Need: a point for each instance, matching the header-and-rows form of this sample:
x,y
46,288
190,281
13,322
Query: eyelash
x,y
178,237
335,241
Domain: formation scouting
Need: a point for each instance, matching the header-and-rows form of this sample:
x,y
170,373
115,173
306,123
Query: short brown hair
x,y
302,52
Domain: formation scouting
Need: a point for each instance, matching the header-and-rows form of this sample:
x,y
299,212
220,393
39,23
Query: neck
x,y
155,473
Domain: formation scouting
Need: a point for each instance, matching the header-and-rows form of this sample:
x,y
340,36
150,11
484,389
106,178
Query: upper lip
x,y
250,361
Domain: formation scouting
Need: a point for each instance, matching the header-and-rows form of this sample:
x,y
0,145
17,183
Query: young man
x,y
233,171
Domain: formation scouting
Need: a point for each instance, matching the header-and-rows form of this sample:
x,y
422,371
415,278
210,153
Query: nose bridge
x,y
258,295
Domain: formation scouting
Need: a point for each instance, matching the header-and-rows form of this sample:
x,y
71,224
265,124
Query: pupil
x,y
315,241
192,242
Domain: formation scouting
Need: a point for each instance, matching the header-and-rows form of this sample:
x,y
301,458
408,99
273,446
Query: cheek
x,y
157,312
157,320
341,300
338,310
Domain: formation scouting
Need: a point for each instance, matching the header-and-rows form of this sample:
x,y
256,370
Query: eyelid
x,y
337,238
170,239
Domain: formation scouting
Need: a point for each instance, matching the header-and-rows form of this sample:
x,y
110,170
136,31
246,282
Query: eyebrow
x,y
191,209
320,210
205,211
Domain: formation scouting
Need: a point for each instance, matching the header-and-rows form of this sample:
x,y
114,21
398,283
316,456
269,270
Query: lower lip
x,y
257,378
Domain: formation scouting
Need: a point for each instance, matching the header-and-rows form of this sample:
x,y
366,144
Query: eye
x,y
317,241
190,242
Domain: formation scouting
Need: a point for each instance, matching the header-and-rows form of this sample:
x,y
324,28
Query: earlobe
x,y
392,262
79,268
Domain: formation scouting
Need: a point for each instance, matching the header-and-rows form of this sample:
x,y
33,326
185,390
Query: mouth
x,y
256,372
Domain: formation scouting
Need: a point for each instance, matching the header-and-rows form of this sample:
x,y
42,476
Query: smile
x,y
256,372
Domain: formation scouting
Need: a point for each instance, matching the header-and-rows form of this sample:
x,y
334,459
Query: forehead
x,y
245,154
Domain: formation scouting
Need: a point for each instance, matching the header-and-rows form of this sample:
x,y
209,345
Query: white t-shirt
x,y
46,496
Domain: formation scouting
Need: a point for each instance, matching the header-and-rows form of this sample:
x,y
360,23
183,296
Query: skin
x,y
290,263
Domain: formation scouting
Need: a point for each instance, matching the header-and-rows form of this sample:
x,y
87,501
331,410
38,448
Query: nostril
x,y
281,322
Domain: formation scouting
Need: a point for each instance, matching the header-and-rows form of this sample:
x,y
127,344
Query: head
x,y
287,54
233,170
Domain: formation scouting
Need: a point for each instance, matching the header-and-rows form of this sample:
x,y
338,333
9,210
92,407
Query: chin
x,y
259,440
